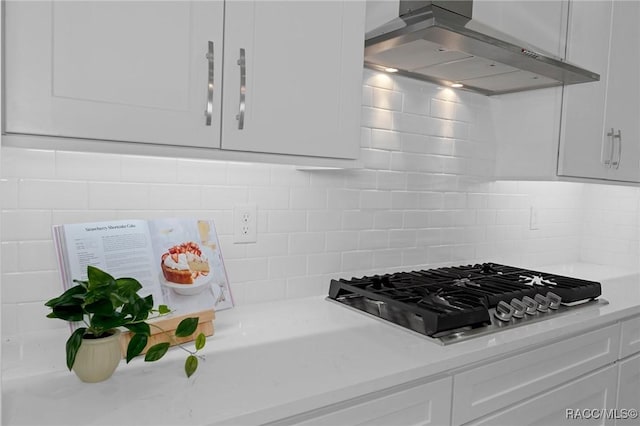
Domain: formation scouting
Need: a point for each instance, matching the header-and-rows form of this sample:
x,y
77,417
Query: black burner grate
x,y
436,300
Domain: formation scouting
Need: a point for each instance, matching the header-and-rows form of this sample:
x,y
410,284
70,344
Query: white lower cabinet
x,y
628,391
630,337
580,401
493,386
425,404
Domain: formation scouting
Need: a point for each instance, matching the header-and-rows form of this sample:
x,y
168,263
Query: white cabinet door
x,y
426,404
603,35
630,337
568,404
628,391
114,70
302,73
583,111
623,91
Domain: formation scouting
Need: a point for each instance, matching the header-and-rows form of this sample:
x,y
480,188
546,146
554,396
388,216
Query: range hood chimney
x,y
438,41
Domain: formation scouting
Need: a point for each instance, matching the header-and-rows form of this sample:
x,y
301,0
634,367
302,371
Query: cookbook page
x,y
189,265
122,248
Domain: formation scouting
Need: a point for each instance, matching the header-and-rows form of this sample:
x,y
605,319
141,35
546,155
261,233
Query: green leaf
x,y
67,297
139,328
156,352
106,322
187,327
99,278
67,312
163,309
102,306
136,345
128,286
72,346
190,365
201,339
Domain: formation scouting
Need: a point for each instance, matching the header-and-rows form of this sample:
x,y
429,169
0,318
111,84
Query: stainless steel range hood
x,y
437,41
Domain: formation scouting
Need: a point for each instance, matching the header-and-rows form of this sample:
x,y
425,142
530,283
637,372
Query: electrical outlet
x,y
533,218
245,219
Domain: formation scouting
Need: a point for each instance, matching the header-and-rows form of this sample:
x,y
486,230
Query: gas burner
x,y
464,282
450,303
536,280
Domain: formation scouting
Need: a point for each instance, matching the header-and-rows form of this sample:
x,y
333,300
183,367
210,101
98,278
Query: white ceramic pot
x,y
97,359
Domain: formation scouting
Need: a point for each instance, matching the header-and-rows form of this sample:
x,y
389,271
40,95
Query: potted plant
x,y
104,304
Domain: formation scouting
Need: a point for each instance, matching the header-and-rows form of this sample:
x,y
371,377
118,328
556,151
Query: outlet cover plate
x,y
245,223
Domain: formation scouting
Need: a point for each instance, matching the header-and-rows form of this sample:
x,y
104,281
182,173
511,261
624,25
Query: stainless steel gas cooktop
x,y
457,303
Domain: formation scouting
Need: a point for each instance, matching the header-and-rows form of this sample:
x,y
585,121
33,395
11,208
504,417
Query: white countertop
x,y
274,360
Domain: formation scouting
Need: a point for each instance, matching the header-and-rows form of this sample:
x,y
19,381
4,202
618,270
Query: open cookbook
x,y
178,261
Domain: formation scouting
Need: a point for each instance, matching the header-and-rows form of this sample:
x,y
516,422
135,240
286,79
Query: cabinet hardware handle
x,y
611,143
618,136
208,113
243,88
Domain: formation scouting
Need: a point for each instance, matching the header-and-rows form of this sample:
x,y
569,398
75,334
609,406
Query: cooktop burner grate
x,y
435,301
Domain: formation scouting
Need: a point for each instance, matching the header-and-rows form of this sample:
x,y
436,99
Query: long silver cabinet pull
x,y
208,113
608,162
243,88
616,163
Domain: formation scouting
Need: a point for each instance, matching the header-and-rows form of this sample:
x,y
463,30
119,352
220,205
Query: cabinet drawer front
x,y
630,341
559,406
629,389
488,388
420,405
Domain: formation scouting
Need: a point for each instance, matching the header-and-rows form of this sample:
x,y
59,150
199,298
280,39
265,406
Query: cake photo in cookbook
x,y
176,260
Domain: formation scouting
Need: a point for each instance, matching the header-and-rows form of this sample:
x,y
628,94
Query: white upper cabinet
x,y
123,71
600,135
158,72
540,23
302,71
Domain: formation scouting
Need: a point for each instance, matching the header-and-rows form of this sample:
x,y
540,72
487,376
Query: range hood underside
x,y
436,52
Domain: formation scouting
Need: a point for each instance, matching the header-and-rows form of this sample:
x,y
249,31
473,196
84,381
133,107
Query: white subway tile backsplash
x,y
375,200
386,99
202,172
29,251
265,291
375,159
373,239
27,163
22,225
324,220
286,221
170,197
324,263
9,193
269,244
387,259
287,266
357,261
306,242
246,269
22,287
148,169
88,166
9,256
223,197
42,194
118,196
342,240
343,199
424,197
385,139
248,174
